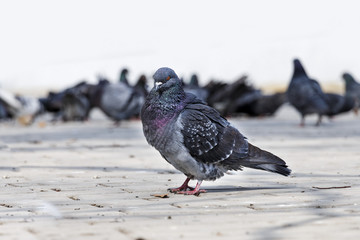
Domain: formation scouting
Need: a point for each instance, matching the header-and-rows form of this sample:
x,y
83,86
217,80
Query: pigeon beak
x,y
157,85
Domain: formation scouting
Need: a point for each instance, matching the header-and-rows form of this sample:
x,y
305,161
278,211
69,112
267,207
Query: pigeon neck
x,y
298,70
173,96
170,101
349,79
123,78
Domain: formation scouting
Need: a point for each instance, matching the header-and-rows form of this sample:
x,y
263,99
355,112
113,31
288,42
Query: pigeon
x,y
195,138
75,105
141,86
305,94
223,99
338,104
52,102
23,108
352,88
213,88
72,104
194,88
255,104
119,101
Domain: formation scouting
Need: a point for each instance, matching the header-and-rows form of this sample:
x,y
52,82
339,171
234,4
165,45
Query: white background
x,y
53,44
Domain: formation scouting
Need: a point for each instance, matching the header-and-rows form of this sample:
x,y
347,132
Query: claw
x,y
180,189
186,190
184,186
193,192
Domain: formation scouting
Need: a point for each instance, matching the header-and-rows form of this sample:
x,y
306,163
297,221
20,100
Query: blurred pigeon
x,y
305,94
75,105
223,99
213,87
194,138
194,88
338,104
123,76
141,86
52,102
119,101
24,108
352,88
255,104
71,104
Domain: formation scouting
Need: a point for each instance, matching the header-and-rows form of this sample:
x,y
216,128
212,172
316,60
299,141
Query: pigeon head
x,y
298,68
348,78
165,78
124,71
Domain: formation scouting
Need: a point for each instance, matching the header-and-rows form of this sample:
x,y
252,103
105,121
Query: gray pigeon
x,y
75,105
120,101
23,108
194,138
305,94
338,104
352,88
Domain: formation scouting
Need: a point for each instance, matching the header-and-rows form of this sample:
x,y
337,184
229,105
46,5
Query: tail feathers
x,y
263,160
280,169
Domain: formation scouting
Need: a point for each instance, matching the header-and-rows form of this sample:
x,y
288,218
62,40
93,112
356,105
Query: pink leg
x,y
184,186
193,191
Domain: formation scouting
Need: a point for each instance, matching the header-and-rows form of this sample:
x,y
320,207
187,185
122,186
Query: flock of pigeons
x,y
123,101
306,95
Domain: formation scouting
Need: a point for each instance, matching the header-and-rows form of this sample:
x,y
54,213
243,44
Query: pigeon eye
x,y
168,77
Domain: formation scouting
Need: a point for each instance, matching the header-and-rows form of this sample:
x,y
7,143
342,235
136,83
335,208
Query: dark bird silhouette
x,y
52,102
75,104
194,88
352,89
118,101
255,104
305,94
70,104
141,86
223,98
194,138
213,88
338,104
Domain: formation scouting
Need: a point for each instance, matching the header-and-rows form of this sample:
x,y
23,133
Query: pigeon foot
x,y
184,186
192,192
187,190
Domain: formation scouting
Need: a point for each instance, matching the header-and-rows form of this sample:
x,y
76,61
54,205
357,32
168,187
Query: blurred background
x,y
49,45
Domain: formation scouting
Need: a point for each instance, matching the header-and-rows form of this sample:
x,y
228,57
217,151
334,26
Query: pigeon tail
x,y
260,159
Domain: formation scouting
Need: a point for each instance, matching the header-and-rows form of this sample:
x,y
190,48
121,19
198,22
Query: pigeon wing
x,y
208,137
